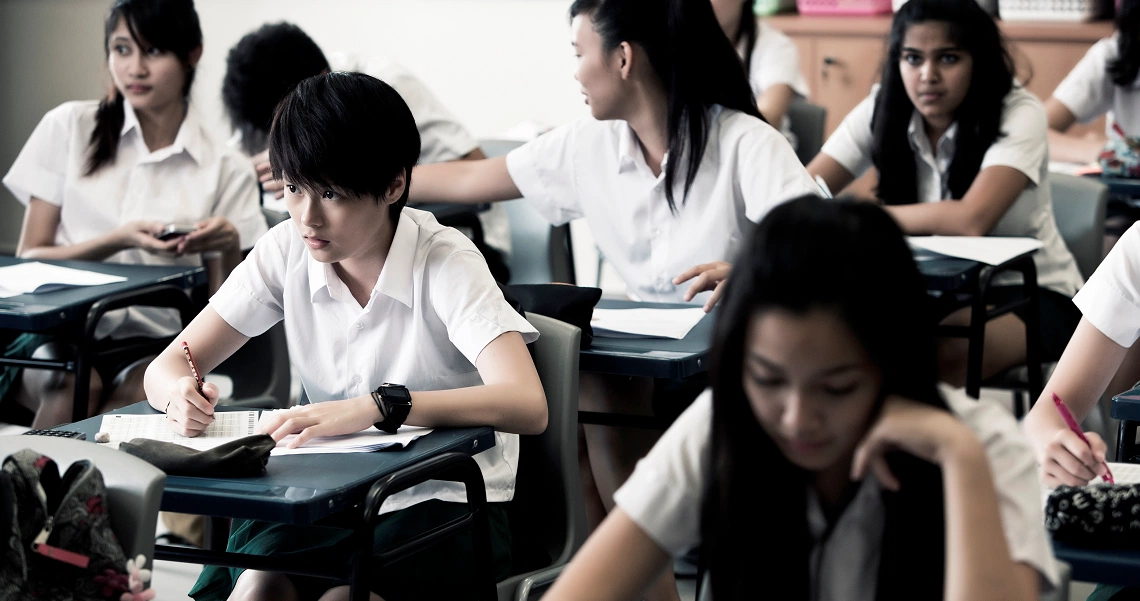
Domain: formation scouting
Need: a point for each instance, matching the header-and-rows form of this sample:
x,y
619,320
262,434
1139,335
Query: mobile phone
x,y
175,230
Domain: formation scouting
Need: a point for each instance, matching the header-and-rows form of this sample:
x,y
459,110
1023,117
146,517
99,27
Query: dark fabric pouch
x,y
240,458
571,304
1102,515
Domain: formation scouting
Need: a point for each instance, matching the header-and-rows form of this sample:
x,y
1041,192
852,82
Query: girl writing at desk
x,y
825,462
392,319
102,179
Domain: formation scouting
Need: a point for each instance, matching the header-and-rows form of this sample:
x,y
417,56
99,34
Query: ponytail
x,y
168,25
696,63
747,33
1123,70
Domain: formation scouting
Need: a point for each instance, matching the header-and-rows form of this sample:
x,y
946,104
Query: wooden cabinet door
x,y
844,70
1045,64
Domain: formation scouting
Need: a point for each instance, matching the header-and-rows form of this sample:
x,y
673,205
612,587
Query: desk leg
x,y
82,381
1032,331
216,533
1126,440
362,543
976,344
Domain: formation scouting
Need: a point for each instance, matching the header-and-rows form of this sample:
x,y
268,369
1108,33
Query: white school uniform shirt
x,y
1089,92
1022,146
1110,300
432,311
192,179
775,60
596,169
663,497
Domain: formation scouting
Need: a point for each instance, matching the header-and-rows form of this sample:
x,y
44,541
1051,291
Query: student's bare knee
x,y
255,585
340,593
618,394
49,380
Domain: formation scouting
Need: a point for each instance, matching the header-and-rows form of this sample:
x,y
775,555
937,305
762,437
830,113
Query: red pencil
x,y
1075,427
193,367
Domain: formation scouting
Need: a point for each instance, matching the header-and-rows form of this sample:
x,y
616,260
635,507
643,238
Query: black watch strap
x,y
394,402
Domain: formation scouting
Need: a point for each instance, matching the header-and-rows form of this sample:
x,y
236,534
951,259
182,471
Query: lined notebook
x,y
227,426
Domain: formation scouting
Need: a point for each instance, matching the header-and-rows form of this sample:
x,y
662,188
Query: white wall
x,y
494,63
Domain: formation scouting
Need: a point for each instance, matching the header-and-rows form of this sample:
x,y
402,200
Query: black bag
x,y
57,533
239,458
1103,515
571,304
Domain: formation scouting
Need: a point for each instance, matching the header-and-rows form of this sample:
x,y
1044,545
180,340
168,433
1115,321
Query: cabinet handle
x,y
828,61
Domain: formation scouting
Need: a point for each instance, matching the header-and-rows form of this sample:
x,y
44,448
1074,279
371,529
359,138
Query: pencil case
x,y
1121,158
571,304
239,458
1101,515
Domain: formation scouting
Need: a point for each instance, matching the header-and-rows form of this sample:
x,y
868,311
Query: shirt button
x,y
356,379
359,326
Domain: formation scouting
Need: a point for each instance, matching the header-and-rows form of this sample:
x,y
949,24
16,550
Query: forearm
x,y
162,373
1075,149
618,554
947,218
507,407
95,249
978,562
468,182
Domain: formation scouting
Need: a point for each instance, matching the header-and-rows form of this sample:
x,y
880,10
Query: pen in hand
x,y
1076,428
193,367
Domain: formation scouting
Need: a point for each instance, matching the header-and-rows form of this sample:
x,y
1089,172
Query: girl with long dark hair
x,y
770,59
1102,83
825,462
960,150
669,173
102,179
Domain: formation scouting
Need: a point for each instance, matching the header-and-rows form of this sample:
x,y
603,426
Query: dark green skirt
x,y
443,571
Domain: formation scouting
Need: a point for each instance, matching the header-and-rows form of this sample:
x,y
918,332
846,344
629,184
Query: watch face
x,y
396,393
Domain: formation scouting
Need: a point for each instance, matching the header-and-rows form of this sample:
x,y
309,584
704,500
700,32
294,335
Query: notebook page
x,y
26,278
227,426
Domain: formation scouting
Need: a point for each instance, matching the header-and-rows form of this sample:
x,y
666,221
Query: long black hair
x,y
978,117
849,257
1127,64
168,25
746,32
260,69
346,131
693,59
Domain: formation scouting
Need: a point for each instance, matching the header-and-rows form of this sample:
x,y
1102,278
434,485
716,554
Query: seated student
x,y
670,172
267,63
825,462
770,59
101,179
1103,82
960,150
370,293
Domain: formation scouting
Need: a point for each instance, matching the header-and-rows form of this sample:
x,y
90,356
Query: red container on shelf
x,y
844,7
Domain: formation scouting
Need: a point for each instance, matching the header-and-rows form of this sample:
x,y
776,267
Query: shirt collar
x,y
916,133
189,138
395,279
630,154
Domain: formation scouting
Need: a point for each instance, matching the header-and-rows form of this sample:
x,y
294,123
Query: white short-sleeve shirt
x,y
597,170
1110,300
775,60
1089,92
192,179
1023,146
663,497
434,308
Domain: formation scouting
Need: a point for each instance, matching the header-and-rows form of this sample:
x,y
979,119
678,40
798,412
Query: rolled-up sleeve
x,y
543,170
850,144
251,299
1110,300
40,168
1087,90
1023,144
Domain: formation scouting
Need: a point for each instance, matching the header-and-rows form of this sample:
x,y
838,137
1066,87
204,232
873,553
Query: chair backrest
x,y
807,122
548,491
260,370
1079,206
134,487
540,253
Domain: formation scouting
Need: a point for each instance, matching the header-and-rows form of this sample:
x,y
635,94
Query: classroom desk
x,y
327,489
649,357
1119,567
74,312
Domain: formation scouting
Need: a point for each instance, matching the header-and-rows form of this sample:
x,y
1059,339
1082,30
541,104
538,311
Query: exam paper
x,y
364,441
33,277
991,250
645,323
227,426
1122,473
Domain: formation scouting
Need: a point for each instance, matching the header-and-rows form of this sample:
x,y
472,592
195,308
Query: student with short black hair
x,y
102,179
960,150
770,59
268,62
825,462
377,297
1104,82
670,172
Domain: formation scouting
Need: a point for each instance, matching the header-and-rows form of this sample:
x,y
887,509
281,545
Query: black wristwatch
x,y
395,403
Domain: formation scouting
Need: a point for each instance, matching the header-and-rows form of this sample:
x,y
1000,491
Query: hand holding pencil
x,y
1072,457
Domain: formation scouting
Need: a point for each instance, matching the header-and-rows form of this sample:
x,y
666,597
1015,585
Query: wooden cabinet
x,y
841,57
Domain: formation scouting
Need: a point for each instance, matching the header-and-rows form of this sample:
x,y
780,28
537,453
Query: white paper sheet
x,y
227,426
991,250
1122,473
364,441
32,277
645,323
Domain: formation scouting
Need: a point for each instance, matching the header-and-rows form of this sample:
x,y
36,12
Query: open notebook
x,y
231,425
35,277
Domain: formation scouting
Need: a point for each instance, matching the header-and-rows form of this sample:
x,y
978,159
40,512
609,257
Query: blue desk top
x,y
1126,405
299,489
650,357
1120,567
38,312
